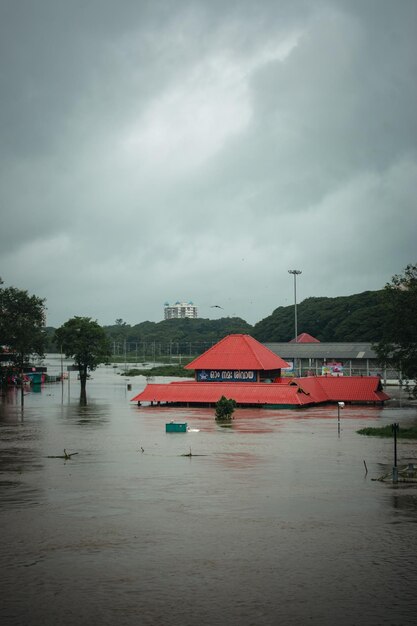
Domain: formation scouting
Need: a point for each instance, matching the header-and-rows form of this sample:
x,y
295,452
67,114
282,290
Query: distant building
x,y
180,310
305,338
331,358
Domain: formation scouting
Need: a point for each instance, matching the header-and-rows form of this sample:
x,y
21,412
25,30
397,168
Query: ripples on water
x,y
274,523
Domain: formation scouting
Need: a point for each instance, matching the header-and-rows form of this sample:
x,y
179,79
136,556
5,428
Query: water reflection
x,y
405,499
20,460
239,460
272,523
90,415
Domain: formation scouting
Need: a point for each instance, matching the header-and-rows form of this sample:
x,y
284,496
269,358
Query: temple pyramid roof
x,y
241,352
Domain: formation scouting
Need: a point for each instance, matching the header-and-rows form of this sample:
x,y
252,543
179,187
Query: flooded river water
x,y
275,522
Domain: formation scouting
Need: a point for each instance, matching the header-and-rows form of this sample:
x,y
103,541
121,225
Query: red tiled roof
x,y
238,352
312,387
305,338
243,393
345,388
297,392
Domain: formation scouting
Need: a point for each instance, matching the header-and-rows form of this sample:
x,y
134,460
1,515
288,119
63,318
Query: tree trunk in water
x,y
83,383
22,390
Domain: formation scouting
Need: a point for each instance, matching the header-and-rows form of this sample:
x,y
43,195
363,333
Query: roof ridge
x,y
238,350
206,352
263,347
252,348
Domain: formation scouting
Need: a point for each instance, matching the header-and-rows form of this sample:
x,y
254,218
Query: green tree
x,y
398,346
22,325
118,334
86,342
224,409
345,318
183,335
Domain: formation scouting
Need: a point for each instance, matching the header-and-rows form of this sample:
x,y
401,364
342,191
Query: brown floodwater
x,y
274,522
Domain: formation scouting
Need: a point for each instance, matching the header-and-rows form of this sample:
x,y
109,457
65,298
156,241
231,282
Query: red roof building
x,y
241,368
304,338
240,353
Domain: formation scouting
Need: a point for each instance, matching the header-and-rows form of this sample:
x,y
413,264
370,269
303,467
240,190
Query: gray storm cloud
x,y
152,154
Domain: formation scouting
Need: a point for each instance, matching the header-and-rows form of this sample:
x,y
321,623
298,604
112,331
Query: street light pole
x,y
295,273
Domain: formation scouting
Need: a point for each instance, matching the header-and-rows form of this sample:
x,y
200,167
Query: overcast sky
x,y
197,150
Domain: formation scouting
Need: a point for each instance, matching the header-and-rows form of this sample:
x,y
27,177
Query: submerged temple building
x,y
241,368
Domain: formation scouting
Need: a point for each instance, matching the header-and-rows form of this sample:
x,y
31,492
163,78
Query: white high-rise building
x,y
179,310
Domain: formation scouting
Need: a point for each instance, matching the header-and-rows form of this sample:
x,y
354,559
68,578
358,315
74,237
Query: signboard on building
x,y
227,376
288,371
332,369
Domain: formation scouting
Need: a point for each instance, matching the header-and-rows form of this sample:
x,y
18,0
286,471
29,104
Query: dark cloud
x,y
153,152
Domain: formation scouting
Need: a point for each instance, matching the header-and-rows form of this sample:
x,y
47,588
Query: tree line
x,y
358,317
23,335
387,318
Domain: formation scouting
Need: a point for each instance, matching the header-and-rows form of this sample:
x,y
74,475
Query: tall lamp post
x,y
295,273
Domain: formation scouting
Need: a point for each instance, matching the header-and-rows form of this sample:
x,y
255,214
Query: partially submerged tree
x,y
22,325
398,346
86,342
224,409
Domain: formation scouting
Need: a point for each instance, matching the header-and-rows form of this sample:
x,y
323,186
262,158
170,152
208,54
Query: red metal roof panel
x,y
238,352
345,388
297,392
305,338
243,393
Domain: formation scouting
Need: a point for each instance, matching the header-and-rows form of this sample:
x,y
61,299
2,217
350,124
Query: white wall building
x,y
179,310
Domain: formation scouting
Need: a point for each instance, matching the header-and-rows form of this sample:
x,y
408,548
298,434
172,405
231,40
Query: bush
x,y
225,409
386,431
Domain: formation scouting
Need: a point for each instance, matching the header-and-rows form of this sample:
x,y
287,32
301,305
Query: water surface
x,y
275,522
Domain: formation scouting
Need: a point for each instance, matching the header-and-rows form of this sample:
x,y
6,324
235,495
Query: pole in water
x,y
340,405
395,428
